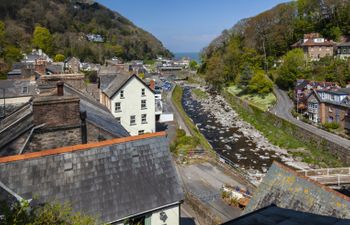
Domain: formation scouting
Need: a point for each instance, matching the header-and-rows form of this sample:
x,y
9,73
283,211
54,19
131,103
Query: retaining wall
x,y
307,137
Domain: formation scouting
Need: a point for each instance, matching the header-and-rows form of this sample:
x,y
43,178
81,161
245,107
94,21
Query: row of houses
x,y
323,102
316,47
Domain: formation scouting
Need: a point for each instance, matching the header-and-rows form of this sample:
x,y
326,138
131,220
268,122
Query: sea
x,y
192,55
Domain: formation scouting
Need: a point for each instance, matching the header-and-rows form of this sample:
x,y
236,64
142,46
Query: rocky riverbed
x,y
234,138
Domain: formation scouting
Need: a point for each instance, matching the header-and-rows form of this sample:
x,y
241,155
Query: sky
x,y
187,25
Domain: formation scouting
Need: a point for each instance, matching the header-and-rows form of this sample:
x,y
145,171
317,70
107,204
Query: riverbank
x,y
177,100
280,134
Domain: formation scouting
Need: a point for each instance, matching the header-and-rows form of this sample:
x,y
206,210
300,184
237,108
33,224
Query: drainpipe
x,y
83,127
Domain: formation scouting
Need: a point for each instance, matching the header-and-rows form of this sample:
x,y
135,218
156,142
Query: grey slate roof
x,y
15,88
287,189
272,215
118,81
110,182
98,114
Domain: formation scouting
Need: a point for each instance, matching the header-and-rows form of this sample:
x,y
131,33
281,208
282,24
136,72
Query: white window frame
x,y
119,108
132,120
122,94
143,92
143,104
141,132
118,119
144,118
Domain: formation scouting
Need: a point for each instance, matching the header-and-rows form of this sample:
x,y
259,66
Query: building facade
x,y
132,103
343,50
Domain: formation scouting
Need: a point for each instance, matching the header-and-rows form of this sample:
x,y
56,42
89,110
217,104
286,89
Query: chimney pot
x,y
60,91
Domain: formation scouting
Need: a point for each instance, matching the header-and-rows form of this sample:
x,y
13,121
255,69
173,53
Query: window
x,y
118,119
143,118
141,132
118,107
24,90
143,92
122,94
132,120
143,104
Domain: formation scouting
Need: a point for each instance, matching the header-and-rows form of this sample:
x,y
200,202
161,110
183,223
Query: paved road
x,y
204,180
283,110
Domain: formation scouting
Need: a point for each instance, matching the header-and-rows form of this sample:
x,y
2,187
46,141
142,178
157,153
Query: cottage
x,y
343,50
130,100
329,106
316,47
72,65
113,181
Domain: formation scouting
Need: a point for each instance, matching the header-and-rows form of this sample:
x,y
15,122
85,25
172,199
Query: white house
x,y
131,102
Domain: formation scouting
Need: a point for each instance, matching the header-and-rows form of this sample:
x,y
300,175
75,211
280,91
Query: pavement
x,y
283,110
204,181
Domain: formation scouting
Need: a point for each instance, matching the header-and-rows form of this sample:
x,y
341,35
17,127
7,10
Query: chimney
x,y
152,85
83,127
60,88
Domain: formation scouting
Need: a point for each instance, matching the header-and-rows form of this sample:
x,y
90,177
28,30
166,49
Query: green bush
x,y
332,125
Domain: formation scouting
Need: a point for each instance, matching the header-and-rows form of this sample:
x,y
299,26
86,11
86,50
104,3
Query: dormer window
x,y
143,92
122,94
24,90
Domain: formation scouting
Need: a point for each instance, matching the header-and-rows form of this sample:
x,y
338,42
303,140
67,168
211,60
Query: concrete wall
x,y
300,133
172,215
131,105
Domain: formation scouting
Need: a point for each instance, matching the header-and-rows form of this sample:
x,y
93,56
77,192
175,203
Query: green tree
x,y
293,67
23,213
260,84
12,54
2,33
193,65
59,58
42,39
245,76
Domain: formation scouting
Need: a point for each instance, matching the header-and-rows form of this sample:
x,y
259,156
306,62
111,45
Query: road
x,y
204,181
283,108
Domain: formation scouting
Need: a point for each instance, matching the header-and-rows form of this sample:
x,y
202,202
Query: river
x,y
231,137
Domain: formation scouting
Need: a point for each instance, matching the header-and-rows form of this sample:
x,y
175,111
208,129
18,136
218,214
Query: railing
x,y
329,176
20,113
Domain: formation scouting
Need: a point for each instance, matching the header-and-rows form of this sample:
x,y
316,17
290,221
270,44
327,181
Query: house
x,y
21,71
303,89
290,189
114,181
315,47
343,50
329,106
130,100
59,117
274,215
34,56
72,65
95,38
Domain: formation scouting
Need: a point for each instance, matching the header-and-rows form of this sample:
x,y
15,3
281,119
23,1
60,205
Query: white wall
x,y
172,214
131,105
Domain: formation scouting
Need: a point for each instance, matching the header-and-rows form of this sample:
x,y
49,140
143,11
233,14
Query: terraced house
x,y
326,106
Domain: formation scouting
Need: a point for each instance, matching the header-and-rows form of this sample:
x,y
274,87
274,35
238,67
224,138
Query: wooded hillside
x,y
68,23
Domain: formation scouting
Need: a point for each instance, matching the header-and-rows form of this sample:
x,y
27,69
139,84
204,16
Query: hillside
x,y
257,43
69,21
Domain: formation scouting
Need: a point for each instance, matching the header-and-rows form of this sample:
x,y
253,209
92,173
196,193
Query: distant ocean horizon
x,y
192,55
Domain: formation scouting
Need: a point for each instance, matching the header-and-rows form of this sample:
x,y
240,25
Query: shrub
x,y
332,125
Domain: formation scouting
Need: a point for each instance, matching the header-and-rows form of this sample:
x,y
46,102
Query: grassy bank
x,y
177,100
200,94
262,102
281,135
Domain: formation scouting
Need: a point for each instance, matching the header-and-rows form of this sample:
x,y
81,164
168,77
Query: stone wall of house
x,y
44,139
332,111
96,134
317,52
341,152
56,111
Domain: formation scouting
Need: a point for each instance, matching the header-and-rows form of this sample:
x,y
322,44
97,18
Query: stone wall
x,y
56,111
96,134
298,132
44,139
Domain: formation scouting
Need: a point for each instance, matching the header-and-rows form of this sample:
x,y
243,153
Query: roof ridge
x,y
81,147
324,187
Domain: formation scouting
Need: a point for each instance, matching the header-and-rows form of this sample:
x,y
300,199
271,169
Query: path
x,y
283,108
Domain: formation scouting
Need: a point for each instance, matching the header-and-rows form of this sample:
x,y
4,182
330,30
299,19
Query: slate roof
x,y
286,188
15,88
273,215
110,180
98,114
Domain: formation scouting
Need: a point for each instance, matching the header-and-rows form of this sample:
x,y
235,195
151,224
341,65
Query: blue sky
x,y
187,25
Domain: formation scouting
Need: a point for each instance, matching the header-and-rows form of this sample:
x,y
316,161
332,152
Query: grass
x,y
281,135
200,94
177,100
262,102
